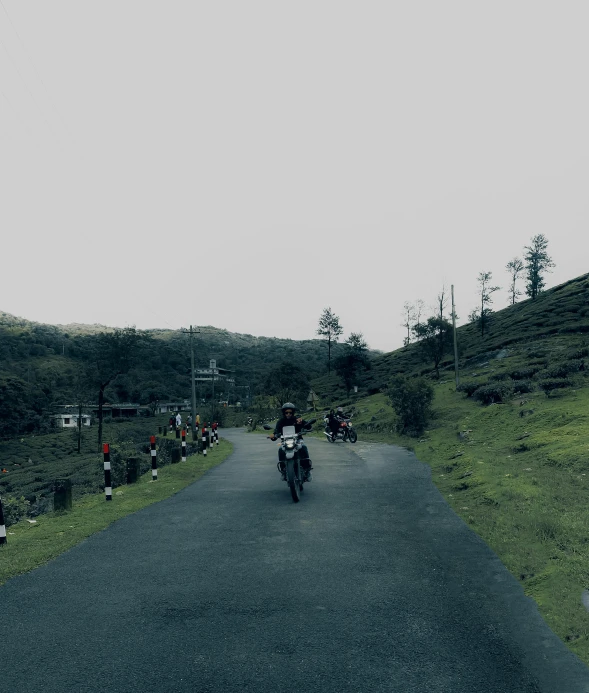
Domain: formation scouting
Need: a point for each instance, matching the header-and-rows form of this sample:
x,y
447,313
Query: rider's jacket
x,y
289,422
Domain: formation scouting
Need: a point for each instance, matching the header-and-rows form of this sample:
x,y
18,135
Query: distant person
x,y
197,421
178,420
189,421
172,423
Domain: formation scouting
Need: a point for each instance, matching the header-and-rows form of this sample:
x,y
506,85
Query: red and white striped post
x,y
210,435
2,526
183,446
204,441
153,458
107,481
217,434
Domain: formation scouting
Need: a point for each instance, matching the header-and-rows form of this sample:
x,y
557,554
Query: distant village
x,y
210,381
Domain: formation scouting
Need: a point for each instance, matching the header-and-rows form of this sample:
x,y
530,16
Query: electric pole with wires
x,y
192,332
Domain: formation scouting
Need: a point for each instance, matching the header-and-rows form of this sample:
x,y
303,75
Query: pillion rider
x,y
288,419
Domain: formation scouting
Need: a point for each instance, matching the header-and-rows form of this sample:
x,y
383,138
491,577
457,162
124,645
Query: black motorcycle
x,y
291,444
345,431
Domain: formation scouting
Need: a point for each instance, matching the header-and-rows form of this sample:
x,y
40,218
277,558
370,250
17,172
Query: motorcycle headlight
x,y
290,443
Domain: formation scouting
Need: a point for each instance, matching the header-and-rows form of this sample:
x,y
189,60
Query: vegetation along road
x,y
370,583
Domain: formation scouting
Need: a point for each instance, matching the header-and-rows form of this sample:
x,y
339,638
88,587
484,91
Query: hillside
x,y
550,320
41,365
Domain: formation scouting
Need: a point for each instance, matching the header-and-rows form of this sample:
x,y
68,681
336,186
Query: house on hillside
x,y
176,405
69,420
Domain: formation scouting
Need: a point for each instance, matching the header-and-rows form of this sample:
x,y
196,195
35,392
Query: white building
x,y
178,405
71,420
213,372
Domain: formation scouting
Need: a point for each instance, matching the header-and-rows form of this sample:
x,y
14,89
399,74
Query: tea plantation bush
x,y
548,385
522,386
469,388
492,393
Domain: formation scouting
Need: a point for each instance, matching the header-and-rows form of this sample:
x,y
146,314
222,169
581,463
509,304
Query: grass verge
x,y
30,545
517,474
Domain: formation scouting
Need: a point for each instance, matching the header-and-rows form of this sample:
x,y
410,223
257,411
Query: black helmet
x,y
288,405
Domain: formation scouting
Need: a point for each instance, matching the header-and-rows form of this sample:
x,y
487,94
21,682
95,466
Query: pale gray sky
x,y
246,164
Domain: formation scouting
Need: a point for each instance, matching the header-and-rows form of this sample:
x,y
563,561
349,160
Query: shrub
x,y
549,384
492,393
561,370
524,373
468,387
580,353
524,386
499,376
14,509
411,398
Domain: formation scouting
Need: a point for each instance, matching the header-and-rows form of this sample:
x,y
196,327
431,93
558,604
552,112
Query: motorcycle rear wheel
x,y
292,476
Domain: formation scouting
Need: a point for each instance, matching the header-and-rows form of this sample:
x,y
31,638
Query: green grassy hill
x,y
517,470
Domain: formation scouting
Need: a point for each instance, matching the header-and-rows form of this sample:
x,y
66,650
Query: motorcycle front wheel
x,y
292,476
353,435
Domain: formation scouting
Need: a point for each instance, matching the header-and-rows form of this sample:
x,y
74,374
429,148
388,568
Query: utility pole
x,y
192,332
455,340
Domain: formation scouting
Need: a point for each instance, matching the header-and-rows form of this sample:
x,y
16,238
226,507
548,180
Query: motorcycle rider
x,y
288,419
333,423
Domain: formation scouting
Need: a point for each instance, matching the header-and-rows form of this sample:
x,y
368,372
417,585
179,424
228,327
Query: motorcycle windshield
x,y
288,432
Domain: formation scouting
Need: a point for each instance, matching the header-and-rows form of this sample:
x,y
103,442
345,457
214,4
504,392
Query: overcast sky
x,y
246,164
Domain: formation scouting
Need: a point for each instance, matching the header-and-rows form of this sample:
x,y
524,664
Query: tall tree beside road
x,y
329,328
435,340
537,262
354,358
514,267
110,354
486,293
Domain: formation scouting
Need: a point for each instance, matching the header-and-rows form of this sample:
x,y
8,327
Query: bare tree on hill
x,y
514,267
486,292
409,316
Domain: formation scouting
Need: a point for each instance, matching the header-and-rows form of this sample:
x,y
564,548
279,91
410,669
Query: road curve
x,y
370,584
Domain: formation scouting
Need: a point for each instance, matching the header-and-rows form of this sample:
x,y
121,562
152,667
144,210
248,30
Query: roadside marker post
x,y
183,446
153,458
210,439
204,441
107,480
2,525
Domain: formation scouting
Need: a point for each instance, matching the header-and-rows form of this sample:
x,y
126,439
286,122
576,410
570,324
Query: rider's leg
x,y
282,462
304,457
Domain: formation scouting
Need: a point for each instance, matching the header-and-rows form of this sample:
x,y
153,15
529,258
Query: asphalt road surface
x,y
371,583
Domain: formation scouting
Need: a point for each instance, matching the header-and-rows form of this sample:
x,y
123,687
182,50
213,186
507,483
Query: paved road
x,y
371,584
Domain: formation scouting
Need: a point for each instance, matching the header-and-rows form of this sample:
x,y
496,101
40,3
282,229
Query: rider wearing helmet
x,y
333,423
289,419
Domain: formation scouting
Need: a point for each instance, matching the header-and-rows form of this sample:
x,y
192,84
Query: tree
x,y
109,355
354,358
435,339
287,383
411,398
486,292
329,328
409,316
515,267
537,262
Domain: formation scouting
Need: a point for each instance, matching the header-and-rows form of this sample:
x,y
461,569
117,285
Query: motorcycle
x,y
291,443
345,432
